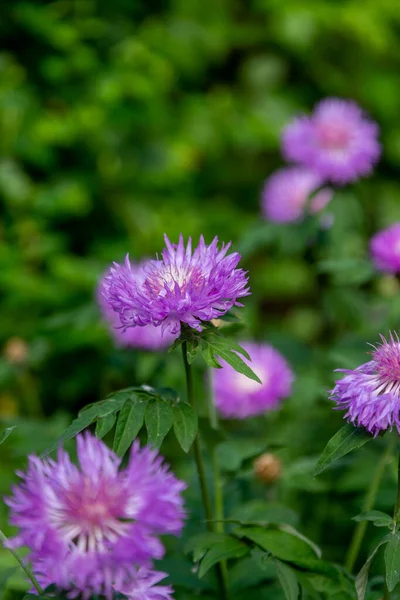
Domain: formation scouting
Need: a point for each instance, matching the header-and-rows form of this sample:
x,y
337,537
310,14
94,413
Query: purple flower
x,y
89,527
385,249
337,141
147,337
371,393
145,587
286,194
238,397
182,287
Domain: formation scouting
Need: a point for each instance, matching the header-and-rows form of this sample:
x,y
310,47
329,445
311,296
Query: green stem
x,y
202,473
386,593
369,501
219,513
197,446
396,512
27,570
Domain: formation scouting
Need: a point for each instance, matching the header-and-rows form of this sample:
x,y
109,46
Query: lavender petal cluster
x,y
181,287
90,527
286,194
237,397
385,249
370,394
338,141
147,337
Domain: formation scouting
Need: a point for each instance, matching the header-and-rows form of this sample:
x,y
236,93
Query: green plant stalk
x,y
27,570
201,471
396,512
219,512
369,501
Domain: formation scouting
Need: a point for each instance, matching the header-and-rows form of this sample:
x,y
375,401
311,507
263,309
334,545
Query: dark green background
x,y
123,120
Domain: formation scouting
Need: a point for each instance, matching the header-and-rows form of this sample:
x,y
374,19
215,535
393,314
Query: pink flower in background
x,y
286,194
147,337
237,397
385,249
337,141
370,394
182,287
89,527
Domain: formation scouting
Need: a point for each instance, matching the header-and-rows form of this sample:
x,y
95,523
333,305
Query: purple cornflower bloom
x,y
337,141
286,194
385,249
147,337
371,393
88,528
237,397
182,287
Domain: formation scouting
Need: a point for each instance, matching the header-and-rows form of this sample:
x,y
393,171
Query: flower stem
x,y
369,501
396,512
27,569
202,473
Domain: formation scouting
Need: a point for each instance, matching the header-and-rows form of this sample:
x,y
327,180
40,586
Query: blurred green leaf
x,y
158,418
185,425
347,439
129,423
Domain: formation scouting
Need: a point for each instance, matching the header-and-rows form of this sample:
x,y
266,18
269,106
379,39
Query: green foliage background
x,y
124,120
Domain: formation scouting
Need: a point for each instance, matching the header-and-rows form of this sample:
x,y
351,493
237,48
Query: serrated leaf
x,y
232,453
84,419
159,418
191,351
208,355
185,425
280,544
301,536
377,517
288,581
362,577
347,439
392,561
223,550
230,352
200,543
105,424
6,433
129,423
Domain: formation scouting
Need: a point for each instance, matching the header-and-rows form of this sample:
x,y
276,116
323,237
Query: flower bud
x,y
268,468
16,350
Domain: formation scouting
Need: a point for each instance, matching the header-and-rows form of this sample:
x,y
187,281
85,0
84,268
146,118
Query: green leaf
x,y
223,550
200,543
377,517
191,350
159,418
229,351
264,513
281,544
129,423
288,581
347,439
392,561
185,425
232,453
6,433
84,419
208,355
362,577
105,424
302,537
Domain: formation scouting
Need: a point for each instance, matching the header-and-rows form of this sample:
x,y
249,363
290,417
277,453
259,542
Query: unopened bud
x,y
16,350
268,468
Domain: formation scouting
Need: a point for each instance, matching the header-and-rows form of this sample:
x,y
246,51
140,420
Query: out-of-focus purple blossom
x,y
238,397
337,141
286,194
89,527
385,249
370,394
183,287
147,337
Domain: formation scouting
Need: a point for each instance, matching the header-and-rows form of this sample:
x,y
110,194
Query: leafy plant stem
x,y
386,593
27,569
369,501
396,513
201,470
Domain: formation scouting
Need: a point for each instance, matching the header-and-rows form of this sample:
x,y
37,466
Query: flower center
x,y
333,136
88,516
387,359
